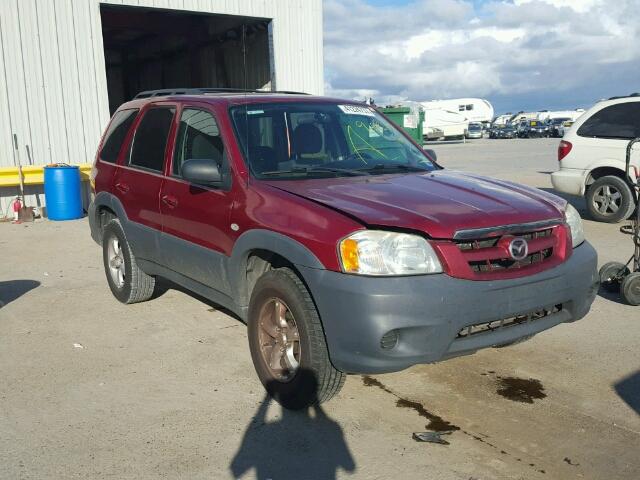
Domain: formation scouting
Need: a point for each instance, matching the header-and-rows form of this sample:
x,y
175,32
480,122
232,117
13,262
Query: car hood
x,y
438,203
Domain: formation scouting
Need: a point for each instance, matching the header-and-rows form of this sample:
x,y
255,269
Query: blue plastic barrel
x,y
62,192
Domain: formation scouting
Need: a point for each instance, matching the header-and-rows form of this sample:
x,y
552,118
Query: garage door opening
x,y
150,48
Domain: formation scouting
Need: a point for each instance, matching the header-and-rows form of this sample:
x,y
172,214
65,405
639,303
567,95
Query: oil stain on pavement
x,y
520,389
436,423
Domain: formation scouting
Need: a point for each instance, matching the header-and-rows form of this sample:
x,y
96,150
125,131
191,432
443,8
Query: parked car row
x,y
530,129
503,131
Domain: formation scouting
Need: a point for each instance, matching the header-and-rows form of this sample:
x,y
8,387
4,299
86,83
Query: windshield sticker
x,y
356,110
375,130
255,112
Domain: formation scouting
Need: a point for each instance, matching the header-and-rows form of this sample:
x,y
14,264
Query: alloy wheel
x,y
279,339
607,200
117,268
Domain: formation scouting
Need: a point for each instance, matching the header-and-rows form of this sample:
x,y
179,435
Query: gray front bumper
x,y
428,311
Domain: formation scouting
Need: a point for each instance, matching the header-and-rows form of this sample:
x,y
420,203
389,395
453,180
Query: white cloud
x,y
550,51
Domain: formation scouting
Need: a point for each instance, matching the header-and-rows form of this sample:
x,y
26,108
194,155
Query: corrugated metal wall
x,y
53,90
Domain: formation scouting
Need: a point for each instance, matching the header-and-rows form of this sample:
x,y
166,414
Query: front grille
x,y
489,254
494,325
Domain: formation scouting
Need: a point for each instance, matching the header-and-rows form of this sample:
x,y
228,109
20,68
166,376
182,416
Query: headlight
x,y
574,221
374,252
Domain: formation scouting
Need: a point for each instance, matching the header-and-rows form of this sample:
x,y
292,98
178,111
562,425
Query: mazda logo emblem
x,y
518,248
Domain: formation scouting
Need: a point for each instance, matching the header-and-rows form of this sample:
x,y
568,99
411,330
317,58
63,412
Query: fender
x,y
608,163
616,164
260,239
104,199
144,241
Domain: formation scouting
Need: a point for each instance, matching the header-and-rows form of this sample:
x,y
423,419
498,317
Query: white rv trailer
x,y
443,123
474,109
502,119
526,116
572,114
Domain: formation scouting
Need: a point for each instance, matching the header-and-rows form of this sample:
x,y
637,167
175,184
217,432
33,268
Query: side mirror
x,y
431,154
201,171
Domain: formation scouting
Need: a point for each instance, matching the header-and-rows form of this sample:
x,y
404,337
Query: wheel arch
x,y
104,207
258,251
602,171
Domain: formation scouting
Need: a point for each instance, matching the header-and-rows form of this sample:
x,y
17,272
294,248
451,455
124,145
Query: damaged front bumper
x,y
377,325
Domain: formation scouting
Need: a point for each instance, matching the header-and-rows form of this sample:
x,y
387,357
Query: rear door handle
x,y
170,201
123,187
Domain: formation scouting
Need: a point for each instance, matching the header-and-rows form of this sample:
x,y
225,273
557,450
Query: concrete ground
x,y
91,388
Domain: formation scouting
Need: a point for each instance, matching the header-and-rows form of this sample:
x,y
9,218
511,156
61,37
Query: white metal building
x,y
65,65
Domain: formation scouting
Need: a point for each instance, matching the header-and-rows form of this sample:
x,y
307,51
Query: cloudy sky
x,y
519,54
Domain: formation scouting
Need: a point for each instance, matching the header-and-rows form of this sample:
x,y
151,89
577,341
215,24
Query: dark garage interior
x,y
150,48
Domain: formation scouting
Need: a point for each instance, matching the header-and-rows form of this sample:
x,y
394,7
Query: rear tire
x,y
314,379
631,288
611,275
128,283
609,199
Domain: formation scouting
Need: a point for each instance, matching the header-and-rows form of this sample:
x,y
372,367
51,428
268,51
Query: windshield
x,y
474,127
313,140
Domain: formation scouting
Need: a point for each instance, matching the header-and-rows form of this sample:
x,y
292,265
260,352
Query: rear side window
x,y
116,134
198,138
617,121
150,140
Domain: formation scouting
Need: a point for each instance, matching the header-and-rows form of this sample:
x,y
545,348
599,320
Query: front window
x,y
317,140
198,138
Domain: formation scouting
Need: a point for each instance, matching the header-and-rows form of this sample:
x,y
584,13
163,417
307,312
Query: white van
x,y
592,158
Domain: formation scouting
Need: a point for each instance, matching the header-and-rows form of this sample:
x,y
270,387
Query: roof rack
x,y
636,94
205,91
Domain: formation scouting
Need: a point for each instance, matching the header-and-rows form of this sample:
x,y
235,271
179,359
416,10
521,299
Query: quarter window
x,y
616,121
150,139
116,134
198,138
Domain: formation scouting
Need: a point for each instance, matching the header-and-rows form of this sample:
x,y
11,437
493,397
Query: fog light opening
x,y
389,340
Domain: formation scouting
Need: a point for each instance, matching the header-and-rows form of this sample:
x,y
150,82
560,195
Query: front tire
x,y
128,283
287,342
609,199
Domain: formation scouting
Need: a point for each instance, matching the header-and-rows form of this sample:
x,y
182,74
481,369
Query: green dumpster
x,y
407,118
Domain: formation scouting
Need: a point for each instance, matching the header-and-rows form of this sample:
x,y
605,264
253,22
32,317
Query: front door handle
x,y
123,187
170,201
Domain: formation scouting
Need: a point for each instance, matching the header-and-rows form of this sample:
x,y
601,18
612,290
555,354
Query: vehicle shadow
x,y
578,202
10,290
163,285
628,389
301,444
614,297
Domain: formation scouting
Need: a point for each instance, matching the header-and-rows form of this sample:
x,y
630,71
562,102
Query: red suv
x,y
341,243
